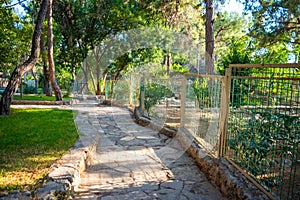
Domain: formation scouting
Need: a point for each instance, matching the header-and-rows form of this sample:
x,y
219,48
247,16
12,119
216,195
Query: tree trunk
x,y
47,88
54,84
73,81
118,73
84,70
102,86
169,63
209,37
90,71
98,71
36,83
27,65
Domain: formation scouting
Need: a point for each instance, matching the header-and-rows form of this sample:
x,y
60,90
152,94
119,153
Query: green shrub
x,y
154,92
202,92
29,90
40,91
262,141
2,90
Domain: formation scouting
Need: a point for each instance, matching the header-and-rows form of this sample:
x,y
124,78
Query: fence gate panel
x,y
201,101
263,126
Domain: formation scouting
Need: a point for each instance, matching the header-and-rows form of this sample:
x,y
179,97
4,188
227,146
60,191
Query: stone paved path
x,y
134,162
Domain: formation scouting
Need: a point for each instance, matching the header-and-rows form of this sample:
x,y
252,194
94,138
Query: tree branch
x,y
10,6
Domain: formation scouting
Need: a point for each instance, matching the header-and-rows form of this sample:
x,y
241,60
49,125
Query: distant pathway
x,y
133,162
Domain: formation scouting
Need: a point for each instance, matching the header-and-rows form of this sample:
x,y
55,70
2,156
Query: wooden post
x,y
183,101
137,81
143,101
142,96
106,90
130,90
225,101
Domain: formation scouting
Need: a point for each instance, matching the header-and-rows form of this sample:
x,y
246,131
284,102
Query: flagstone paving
x,y
135,162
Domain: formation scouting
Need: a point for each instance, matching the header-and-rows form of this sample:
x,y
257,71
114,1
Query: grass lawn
x,y
37,97
32,140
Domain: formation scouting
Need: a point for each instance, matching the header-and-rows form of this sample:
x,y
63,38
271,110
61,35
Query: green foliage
x,y
276,53
202,92
270,36
177,68
154,92
15,36
63,77
29,90
239,92
237,53
229,27
180,64
261,141
134,58
274,20
84,25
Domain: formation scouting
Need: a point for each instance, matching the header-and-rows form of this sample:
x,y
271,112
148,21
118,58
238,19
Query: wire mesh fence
x,y
201,109
250,116
125,91
263,132
161,100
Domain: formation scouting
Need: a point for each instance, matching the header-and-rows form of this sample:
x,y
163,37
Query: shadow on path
x,y
134,162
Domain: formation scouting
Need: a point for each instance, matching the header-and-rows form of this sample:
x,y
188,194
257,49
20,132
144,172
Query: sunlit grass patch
x,y
32,140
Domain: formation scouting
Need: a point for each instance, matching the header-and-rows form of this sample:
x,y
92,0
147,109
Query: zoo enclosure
x,y
250,116
262,133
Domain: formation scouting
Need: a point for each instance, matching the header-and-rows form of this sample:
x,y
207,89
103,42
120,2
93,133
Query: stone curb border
x,y
27,102
144,121
64,174
231,182
62,179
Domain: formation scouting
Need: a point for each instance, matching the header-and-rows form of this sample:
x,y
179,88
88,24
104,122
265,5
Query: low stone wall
x,y
232,183
26,102
64,175
144,121
63,178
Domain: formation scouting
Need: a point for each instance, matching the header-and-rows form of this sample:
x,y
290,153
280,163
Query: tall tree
x,y
237,53
46,71
85,24
174,16
275,25
209,36
27,65
54,84
14,38
228,26
274,20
